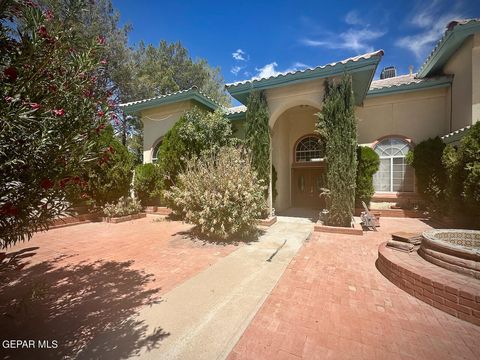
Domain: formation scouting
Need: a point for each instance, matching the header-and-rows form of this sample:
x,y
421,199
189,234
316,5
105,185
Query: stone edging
x,y
116,220
268,221
356,230
450,292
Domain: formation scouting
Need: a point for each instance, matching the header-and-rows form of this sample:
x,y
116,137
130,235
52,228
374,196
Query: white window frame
x,y
391,157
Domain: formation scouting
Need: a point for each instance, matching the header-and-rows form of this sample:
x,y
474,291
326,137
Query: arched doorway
x,y
308,170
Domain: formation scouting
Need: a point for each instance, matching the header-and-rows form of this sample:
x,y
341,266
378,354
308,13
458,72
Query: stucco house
x,y
394,113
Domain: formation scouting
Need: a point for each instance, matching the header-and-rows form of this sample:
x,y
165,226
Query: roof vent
x,y
388,72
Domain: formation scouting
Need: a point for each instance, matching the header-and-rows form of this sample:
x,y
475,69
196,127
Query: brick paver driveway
x,y
71,284
332,302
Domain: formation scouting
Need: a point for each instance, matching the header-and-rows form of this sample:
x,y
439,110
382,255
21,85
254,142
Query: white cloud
x,y
431,22
235,70
271,70
352,18
240,55
267,71
358,40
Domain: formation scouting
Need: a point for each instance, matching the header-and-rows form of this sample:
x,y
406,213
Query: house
x,y
394,113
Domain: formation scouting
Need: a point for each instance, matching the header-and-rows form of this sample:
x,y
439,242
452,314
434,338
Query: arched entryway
x,y
308,172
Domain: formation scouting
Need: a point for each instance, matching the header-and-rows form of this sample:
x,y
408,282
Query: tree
x,y
148,184
368,163
257,135
53,108
169,68
337,126
195,132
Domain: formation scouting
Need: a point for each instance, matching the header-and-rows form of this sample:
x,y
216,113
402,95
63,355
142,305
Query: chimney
x,y
388,72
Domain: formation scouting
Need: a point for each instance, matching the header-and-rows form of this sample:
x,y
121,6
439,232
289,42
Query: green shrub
x,y
148,183
110,177
368,163
430,174
219,193
125,206
337,126
463,170
195,132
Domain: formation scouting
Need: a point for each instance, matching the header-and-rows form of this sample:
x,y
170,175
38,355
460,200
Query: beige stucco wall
x,y
157,122
476,79
283,98
460,65
289,127
416,115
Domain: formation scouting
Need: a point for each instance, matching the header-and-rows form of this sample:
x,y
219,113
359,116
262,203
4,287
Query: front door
x,y
306,187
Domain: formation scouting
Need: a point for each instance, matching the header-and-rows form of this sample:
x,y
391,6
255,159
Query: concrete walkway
x,y
206,315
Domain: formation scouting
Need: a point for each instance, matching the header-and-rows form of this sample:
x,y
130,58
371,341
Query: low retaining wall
x,y
268,221
357,230
73,220
455,294
116,220
397,213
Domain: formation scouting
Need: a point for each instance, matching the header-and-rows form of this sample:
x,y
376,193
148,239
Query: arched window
x,y
155,151
309,149
394,175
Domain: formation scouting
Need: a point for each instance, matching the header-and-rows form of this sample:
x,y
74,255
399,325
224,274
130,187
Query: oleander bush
x,y
148,184
368,163
220,193
54,103
125,206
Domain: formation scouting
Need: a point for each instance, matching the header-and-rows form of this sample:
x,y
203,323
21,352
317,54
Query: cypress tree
x,y
337,126
257,137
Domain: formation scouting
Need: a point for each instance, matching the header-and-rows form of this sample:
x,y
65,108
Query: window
x,y
394,175
155,151
309,149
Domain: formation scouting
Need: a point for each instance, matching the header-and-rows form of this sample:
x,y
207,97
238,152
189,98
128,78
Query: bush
x,y
109,177
195,132
430,174
463,171
148,184
220,194
368,163
337,126
53,105
125,206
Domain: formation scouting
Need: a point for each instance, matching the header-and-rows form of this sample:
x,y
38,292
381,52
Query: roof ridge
x,y
344,61
193,88
449,28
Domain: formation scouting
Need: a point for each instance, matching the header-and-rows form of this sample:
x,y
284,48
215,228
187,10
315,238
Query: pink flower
x,y
42,31
58,112
101,40
103,62
100,113
48,14
10,73
8,98
8,209
35,106
100,128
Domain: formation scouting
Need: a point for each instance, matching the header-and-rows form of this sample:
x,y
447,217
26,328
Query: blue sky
x,y
260,38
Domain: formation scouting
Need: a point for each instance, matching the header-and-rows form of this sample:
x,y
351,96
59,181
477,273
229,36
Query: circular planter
x,y
452,249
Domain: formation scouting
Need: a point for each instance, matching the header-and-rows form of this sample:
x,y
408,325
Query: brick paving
x,y
158,248
76,284
332,302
